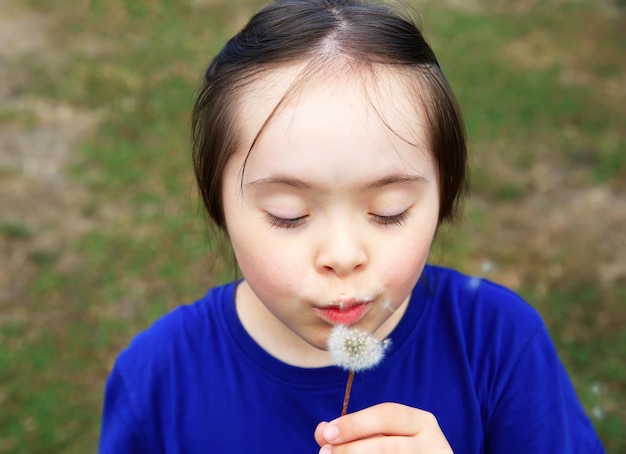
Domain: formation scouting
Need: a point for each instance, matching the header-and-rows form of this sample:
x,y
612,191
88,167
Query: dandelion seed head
x,y
354,349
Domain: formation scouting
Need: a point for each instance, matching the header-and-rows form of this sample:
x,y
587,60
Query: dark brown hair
x,y
298,31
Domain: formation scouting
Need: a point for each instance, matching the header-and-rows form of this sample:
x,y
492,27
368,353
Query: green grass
x,y
15,231
533,86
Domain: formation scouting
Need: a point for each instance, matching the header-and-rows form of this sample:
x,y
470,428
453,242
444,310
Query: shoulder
x,y
178,334
486,326
502,344
479,301
142,393
451,281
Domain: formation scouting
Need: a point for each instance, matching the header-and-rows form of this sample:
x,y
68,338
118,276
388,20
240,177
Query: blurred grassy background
x,y
101,231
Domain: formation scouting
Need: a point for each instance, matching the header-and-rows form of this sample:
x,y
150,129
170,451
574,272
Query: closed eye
x,y
285,223
396,219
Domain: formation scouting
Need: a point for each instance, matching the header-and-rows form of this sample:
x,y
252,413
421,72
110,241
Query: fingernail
x,y
331,432
325,450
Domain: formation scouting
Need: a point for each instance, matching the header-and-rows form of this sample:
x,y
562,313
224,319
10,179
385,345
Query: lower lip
x,y
337,316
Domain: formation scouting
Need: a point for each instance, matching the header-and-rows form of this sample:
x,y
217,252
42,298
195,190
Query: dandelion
x,y
354,350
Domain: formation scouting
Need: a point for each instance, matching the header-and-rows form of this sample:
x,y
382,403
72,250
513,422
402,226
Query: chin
x,y
319,339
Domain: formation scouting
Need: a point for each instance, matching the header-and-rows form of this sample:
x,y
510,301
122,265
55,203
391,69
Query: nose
x,y
341,252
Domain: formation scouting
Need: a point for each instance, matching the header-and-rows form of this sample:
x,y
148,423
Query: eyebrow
x,y
283,180
396,179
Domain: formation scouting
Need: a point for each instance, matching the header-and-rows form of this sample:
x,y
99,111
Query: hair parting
x,y
329,38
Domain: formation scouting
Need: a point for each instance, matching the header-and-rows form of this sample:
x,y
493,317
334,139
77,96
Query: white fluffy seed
x,y
354,349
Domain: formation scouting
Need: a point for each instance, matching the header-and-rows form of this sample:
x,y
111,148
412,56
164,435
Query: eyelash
x,y
396,219
292,223
283,223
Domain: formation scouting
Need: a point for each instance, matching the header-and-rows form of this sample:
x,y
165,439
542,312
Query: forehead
x,y
383,90
374,114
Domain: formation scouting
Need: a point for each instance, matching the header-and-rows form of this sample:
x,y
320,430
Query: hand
x,y
383,428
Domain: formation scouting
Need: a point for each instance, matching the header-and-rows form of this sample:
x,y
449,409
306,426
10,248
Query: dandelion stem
x,y
346,397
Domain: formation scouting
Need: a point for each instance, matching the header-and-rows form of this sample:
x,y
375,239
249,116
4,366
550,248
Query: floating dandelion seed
x,y
354,350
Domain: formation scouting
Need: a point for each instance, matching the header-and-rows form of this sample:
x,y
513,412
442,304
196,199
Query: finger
x,y
385,445
319,433
375,445
381,419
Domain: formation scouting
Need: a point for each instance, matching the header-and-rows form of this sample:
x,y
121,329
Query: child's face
x,y
337,213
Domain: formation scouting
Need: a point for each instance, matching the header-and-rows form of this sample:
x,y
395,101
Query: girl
x,y
329,148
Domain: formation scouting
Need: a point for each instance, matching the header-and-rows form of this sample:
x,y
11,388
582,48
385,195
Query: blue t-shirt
x,y
469,351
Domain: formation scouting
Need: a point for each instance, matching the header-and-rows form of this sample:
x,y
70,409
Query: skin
x,y
383,428
335,207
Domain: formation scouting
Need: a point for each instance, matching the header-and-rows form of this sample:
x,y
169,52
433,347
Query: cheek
x,y
404,274
264,266
402,269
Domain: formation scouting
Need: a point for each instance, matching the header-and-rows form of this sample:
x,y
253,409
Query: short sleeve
x,y
119,433
535,408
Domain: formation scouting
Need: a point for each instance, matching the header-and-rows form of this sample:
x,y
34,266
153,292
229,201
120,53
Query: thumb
x,y
319,434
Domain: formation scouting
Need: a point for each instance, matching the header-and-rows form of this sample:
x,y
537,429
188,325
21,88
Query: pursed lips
x,y
344,312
